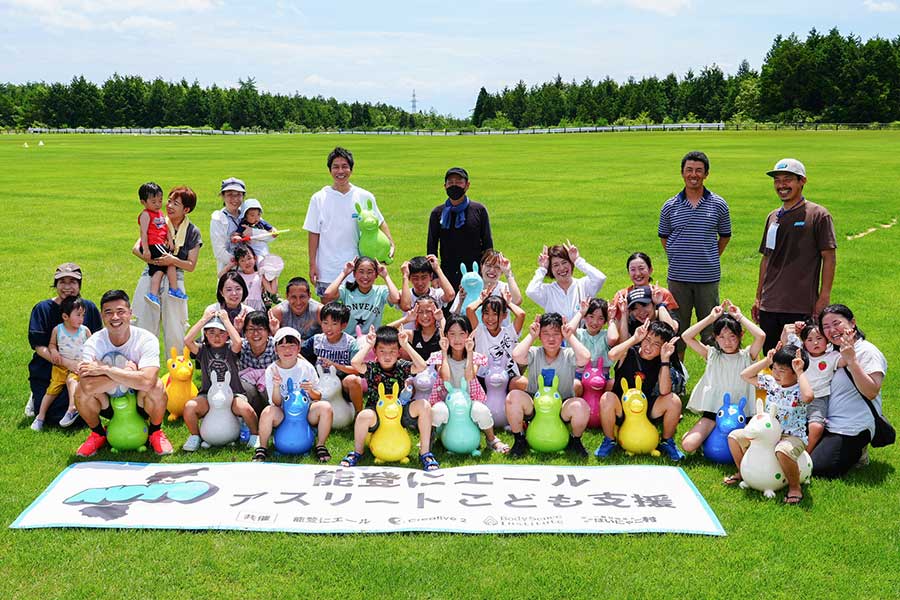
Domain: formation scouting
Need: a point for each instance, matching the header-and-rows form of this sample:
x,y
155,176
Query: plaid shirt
x,y
248,361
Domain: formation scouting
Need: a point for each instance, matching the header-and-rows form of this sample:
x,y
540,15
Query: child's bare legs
x,y
518,383
610,409
271,417
352,384
792,474
364,420
321,416
694,438
241,408
156,281
737,454
816,431
270,285
172,276
194,410
72,385
669,408
518,406
46,403
576,412
421,411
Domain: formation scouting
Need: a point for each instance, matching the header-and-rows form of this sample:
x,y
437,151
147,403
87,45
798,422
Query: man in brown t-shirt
x,y
798,244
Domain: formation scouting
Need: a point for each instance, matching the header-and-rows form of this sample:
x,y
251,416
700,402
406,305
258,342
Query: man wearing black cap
x,y
459,226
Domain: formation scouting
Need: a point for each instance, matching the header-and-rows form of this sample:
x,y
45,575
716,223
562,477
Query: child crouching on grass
x,y
389,369
290,365
789,390
218,351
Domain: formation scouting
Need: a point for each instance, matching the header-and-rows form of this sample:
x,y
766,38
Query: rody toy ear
x,y
759,407
462,268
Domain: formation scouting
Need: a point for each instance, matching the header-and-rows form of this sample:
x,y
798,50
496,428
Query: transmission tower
x,y
413,102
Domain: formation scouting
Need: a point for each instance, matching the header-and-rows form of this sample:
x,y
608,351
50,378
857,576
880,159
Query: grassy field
x,y
603,192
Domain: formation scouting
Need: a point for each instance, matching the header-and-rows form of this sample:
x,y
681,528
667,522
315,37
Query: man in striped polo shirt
x,y
694,228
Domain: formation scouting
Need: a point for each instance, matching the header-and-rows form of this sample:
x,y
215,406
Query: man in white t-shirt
x,y
120,357
331,222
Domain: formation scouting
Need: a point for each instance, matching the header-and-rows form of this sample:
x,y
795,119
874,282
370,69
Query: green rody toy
x,y
127,430
372,240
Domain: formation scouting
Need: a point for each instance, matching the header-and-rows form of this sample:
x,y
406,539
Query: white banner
x,y
329,499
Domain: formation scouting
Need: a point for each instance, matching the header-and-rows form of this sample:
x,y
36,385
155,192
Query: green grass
x,y
603,192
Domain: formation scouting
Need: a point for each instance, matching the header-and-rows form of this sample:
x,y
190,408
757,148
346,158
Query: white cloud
x,y
669,8
875,6
114,15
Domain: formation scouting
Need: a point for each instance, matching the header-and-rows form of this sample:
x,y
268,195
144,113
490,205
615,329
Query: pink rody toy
x,y
593,383
495,381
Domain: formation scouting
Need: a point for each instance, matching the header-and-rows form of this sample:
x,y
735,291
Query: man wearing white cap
x,y
796,271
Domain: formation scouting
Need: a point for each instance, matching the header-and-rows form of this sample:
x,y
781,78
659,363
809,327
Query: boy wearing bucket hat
x,y
798,245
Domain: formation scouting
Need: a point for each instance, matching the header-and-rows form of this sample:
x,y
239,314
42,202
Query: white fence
x,y
473,131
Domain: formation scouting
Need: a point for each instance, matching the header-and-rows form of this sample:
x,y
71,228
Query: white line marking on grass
x,y
856,236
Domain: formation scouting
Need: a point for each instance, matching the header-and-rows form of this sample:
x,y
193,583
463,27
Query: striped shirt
x,y
692,236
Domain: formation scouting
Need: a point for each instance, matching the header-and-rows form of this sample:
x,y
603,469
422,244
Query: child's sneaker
x,y
152,299
192,444
94,442
245,433
575,446
68,418
670,449
260,455
519,447
160,443
29,408
253,441
177,293
37,424
605,448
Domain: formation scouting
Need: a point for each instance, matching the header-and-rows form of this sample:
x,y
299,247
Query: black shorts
x,y
654,420
406,420
157,250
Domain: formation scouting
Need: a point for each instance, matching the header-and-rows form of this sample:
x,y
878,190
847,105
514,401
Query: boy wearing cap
x,y
331,222
219,351
226,221
459,230
291,365
798,245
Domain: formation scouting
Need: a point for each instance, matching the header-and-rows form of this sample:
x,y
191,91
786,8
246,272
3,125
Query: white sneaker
x,y
68,418
37,424
253,442
192,444
29,407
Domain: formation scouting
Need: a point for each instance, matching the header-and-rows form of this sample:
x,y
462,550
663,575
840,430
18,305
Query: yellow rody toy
x,y
179,383
637,435
390,442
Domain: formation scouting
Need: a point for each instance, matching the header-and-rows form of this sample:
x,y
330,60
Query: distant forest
x,y
827,78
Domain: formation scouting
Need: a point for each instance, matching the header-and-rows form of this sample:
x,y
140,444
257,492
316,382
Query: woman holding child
x,y
172,312
45,316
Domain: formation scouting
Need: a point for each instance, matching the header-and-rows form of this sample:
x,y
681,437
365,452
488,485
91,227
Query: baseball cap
x,y
215,323
456,171
788,165
284,332
68,269
233,183
640,295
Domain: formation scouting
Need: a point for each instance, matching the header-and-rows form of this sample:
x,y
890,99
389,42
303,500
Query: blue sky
x,y
381,51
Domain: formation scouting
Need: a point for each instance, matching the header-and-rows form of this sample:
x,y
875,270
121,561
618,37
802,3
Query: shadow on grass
x,y
873,474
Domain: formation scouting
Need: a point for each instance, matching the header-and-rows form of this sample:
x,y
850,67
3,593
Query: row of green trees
x,y
131,101
825,78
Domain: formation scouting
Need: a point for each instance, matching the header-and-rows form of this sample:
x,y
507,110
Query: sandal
x,y
322,454
429,462
497,445
732,479
260,455
351,459
793,499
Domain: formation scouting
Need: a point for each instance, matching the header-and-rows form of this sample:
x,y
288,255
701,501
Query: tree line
x,y
825,78
131,101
